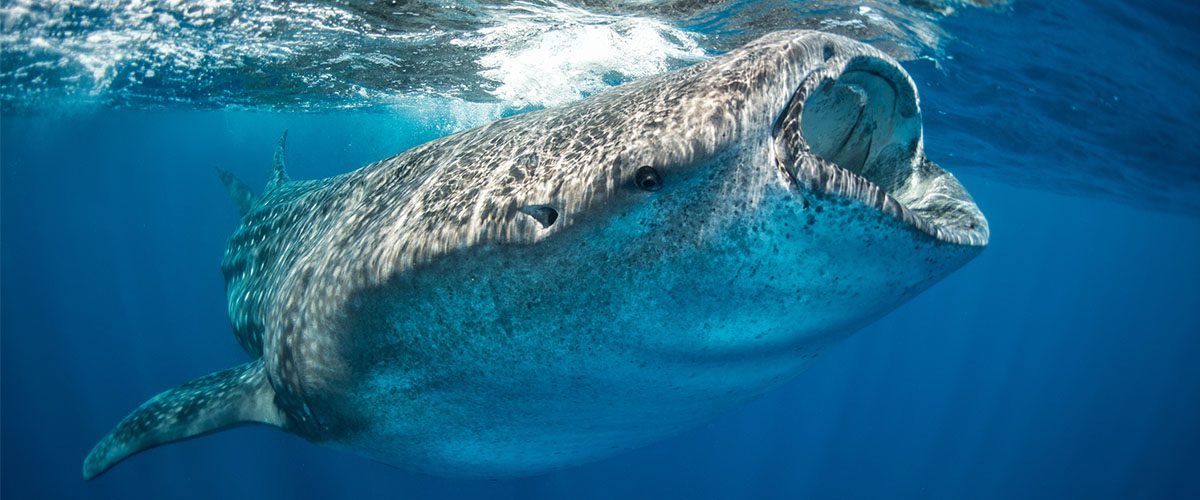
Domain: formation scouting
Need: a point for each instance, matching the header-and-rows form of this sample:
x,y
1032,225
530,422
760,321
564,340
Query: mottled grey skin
x,y
508,300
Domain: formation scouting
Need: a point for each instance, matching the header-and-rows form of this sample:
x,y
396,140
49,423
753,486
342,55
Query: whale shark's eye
x,y
648,179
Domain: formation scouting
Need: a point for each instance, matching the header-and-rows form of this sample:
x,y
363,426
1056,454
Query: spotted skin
x,y
515,298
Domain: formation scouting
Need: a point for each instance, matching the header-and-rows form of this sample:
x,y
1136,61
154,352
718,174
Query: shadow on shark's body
x,y
561,285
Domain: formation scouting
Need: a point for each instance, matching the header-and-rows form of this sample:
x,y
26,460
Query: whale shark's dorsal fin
x,y
241,193
239,395
278,169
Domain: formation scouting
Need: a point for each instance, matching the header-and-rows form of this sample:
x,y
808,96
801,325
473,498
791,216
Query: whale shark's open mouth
x,y
853,129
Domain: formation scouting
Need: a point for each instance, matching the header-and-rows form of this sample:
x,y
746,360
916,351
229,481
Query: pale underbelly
x,y
519,419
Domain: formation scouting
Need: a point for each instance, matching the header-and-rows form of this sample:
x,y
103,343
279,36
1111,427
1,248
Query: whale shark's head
x,y
787,177
779,191
817,114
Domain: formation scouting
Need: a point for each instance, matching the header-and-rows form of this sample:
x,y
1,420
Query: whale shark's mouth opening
x,y
856,133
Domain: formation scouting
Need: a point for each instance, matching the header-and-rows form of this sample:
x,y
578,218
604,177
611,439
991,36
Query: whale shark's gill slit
x,y
546,215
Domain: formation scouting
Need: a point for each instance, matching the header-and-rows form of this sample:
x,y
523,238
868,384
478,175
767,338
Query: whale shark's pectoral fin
x,y
240,395
241,194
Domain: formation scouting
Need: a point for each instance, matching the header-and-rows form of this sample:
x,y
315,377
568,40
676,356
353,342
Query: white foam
x,y
550,55
446,115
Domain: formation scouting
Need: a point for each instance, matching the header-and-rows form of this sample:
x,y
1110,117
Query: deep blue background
x,y
1060,363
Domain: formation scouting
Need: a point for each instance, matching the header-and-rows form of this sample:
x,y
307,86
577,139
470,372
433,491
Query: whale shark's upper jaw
x,y
853,129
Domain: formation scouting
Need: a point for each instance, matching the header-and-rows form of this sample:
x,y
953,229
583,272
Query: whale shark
x,y
565,284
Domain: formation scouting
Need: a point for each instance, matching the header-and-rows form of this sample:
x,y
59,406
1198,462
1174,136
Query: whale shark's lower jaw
x,y
853,130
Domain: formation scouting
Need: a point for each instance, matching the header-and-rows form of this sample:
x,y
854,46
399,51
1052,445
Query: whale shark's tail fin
x,y
242,195
239,395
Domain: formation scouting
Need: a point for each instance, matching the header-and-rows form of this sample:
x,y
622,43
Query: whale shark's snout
x,y
853,129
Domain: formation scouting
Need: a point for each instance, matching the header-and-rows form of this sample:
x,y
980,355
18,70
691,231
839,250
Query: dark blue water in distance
x,y
1060,363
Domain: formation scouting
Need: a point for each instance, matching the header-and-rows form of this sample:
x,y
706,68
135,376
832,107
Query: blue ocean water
x,y
1059,363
